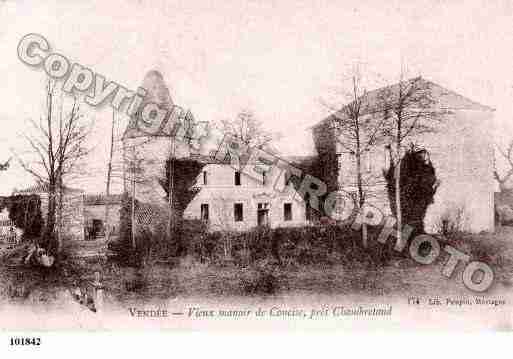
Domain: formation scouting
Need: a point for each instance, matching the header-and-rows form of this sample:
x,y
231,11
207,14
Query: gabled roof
x,y
444,99
102,199
244,158
43,188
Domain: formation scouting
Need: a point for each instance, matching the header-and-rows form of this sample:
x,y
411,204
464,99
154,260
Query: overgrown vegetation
x,y
153,243
418,185
258,260
184,172
296,246
25,212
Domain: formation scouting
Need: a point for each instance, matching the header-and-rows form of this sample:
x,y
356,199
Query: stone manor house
x,y
226,197
460,150
229,198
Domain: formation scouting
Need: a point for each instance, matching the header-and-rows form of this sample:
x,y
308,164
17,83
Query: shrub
x,y
451,222
292,246
309,245
154,244
189,238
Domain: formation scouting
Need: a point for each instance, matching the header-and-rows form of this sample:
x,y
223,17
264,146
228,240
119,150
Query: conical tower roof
x,y
156,92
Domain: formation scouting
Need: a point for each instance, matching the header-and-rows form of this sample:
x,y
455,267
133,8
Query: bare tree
x,y
357,132
408,110
248,129
57,141
109,177
507,157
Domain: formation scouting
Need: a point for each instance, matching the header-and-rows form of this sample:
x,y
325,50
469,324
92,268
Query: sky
x,y
277,58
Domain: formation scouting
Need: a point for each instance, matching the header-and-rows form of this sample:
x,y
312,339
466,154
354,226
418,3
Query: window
x,y
204,212
237,178
237,212
263,206
263,178
263,214
287,211
205,178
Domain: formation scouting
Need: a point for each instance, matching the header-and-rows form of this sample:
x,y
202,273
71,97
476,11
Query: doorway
x,y
263,214
98,230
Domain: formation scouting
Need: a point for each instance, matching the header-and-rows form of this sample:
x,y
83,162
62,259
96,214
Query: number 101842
x,y
25,341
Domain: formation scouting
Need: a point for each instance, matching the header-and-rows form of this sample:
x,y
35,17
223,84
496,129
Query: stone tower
x,y
145,156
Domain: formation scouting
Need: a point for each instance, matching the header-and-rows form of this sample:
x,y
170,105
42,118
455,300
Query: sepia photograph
x,y
255,166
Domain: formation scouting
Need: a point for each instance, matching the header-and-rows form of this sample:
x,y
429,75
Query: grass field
x,y
188,278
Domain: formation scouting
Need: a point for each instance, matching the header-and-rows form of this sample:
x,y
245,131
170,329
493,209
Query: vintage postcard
x,y
256,166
